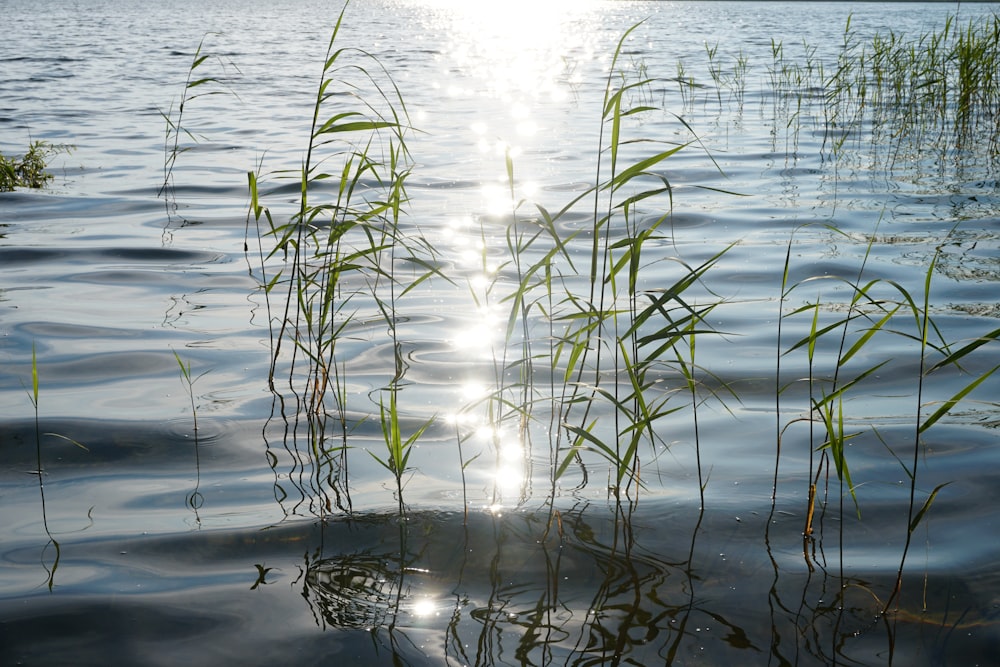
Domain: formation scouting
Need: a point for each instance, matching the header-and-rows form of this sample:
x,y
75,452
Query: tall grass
x,y
924,99
337,258
34,397
893,101
617,332
195,499
876,310
607,358
593,356
582,315
178,139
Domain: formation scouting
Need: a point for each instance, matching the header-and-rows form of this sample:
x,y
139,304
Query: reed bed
x,y
922,104
595,360
616,356
937,93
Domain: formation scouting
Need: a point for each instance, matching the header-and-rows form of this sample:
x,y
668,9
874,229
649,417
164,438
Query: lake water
x,y
129,537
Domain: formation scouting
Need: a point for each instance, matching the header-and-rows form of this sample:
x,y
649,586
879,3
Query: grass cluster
x,y
178,139
342,248
28,170
927,99
595,356
938,92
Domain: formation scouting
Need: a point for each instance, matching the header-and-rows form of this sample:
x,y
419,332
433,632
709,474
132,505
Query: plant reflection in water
x,y
582,586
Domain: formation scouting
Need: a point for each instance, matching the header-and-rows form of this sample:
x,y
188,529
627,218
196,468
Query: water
x,y
244,544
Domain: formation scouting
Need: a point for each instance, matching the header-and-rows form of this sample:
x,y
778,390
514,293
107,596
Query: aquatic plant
x,y
611,331
337,257
891,99
936,91
29,170
615,352
949,358
839,333
581,314
195,499
177,138
609,358
889,102
33,396
40,471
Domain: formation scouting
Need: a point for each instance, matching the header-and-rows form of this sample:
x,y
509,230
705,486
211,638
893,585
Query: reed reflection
x,y
578,586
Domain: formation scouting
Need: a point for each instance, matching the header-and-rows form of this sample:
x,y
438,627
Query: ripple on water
x,y
237,546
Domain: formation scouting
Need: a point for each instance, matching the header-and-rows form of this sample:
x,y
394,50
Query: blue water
x,y
145,541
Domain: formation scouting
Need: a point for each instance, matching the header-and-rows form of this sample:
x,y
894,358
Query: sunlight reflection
x,y
424,607
511,452
496,197
481,336
473,391
516,54
501,62
509,472
509,480
509,477
519,45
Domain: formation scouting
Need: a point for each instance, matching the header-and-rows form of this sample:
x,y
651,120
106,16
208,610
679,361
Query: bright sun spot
x,y
509,479
515,52
511,452
473,391
424,607
475,338
497,199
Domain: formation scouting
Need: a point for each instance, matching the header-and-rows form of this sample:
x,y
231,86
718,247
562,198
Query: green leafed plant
x,y
398,448
31,169
195,499
331,268
33,396
178,139
615,350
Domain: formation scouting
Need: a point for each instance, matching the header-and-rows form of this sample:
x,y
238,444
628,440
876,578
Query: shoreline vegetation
x,y
592,360
30,169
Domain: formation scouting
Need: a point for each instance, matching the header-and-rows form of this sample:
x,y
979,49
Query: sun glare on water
x,y
518,47
499,63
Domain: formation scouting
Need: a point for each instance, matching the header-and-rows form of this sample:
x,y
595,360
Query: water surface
x,y
241,542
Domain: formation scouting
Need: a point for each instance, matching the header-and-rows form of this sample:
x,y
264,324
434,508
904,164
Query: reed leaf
x,y
953,401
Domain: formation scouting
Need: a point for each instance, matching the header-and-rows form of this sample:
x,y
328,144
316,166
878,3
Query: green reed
x,y
195,499
337,255
177,138
876,310
949,359
917,98
933,94
603,353
594,355
607,333
34,397
929,99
